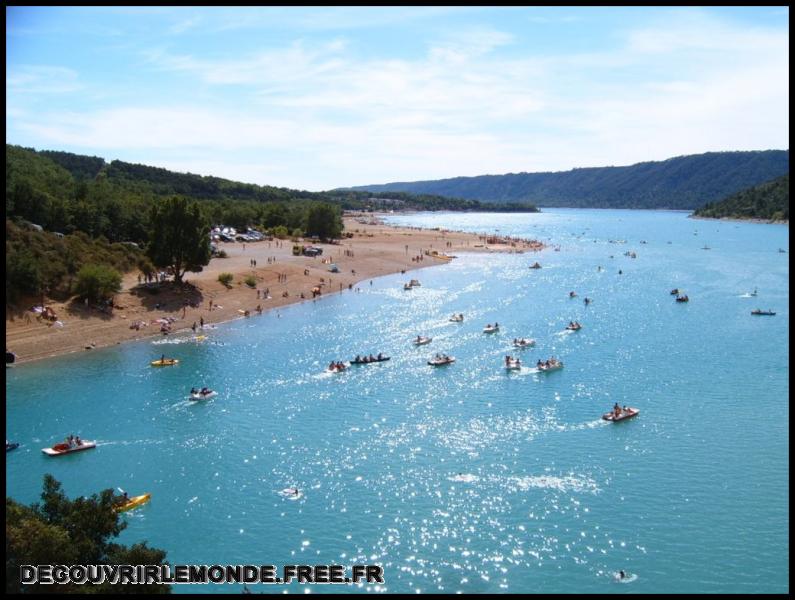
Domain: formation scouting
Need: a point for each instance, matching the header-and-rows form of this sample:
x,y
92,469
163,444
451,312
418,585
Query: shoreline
x,y
376,249
739,220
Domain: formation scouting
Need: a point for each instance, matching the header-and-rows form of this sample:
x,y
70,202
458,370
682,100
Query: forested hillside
x,y
684,182
66,211
769,201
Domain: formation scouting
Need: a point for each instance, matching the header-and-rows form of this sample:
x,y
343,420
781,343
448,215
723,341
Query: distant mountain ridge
x,y
683,182
769,201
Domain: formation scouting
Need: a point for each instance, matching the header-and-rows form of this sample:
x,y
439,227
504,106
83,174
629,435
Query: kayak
x,y
133,502
369,362
422,341
490,329
164,363
11,446
64,448
627,414
200,396
769,313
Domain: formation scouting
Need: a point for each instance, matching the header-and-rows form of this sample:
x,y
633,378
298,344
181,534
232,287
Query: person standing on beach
x,y
201,320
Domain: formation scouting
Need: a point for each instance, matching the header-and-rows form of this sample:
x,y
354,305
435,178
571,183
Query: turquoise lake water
x,y
464,478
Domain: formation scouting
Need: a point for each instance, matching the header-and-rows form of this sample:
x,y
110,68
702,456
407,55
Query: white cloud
x,y
312,114
41,79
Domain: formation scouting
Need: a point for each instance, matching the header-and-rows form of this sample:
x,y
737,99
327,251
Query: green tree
x,y
97,282
179,237
23,274
71,532
324,221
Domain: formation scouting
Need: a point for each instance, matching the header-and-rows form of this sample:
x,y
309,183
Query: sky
x,y
316,98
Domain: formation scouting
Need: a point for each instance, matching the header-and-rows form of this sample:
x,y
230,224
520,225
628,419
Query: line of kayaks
x,y
369,360
763,312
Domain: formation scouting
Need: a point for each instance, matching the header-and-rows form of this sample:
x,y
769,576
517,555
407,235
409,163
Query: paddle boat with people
x,y
415,283
620,414
421,340
682,298
553,364
11,446
491,328
440,360
72,444
512,364
202,394
336,367
406,286
574,326
675,292
769,313
368,360
459,318
523,342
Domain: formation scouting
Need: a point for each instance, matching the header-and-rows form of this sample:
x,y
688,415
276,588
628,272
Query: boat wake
x,y
464,478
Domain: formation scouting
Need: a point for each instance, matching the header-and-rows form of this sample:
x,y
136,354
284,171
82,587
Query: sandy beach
x,y
374,250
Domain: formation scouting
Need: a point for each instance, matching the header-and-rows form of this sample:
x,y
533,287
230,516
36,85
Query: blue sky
x,y
316,98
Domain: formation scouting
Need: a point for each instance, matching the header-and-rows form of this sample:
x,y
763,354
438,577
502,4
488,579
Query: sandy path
x,y
377,250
